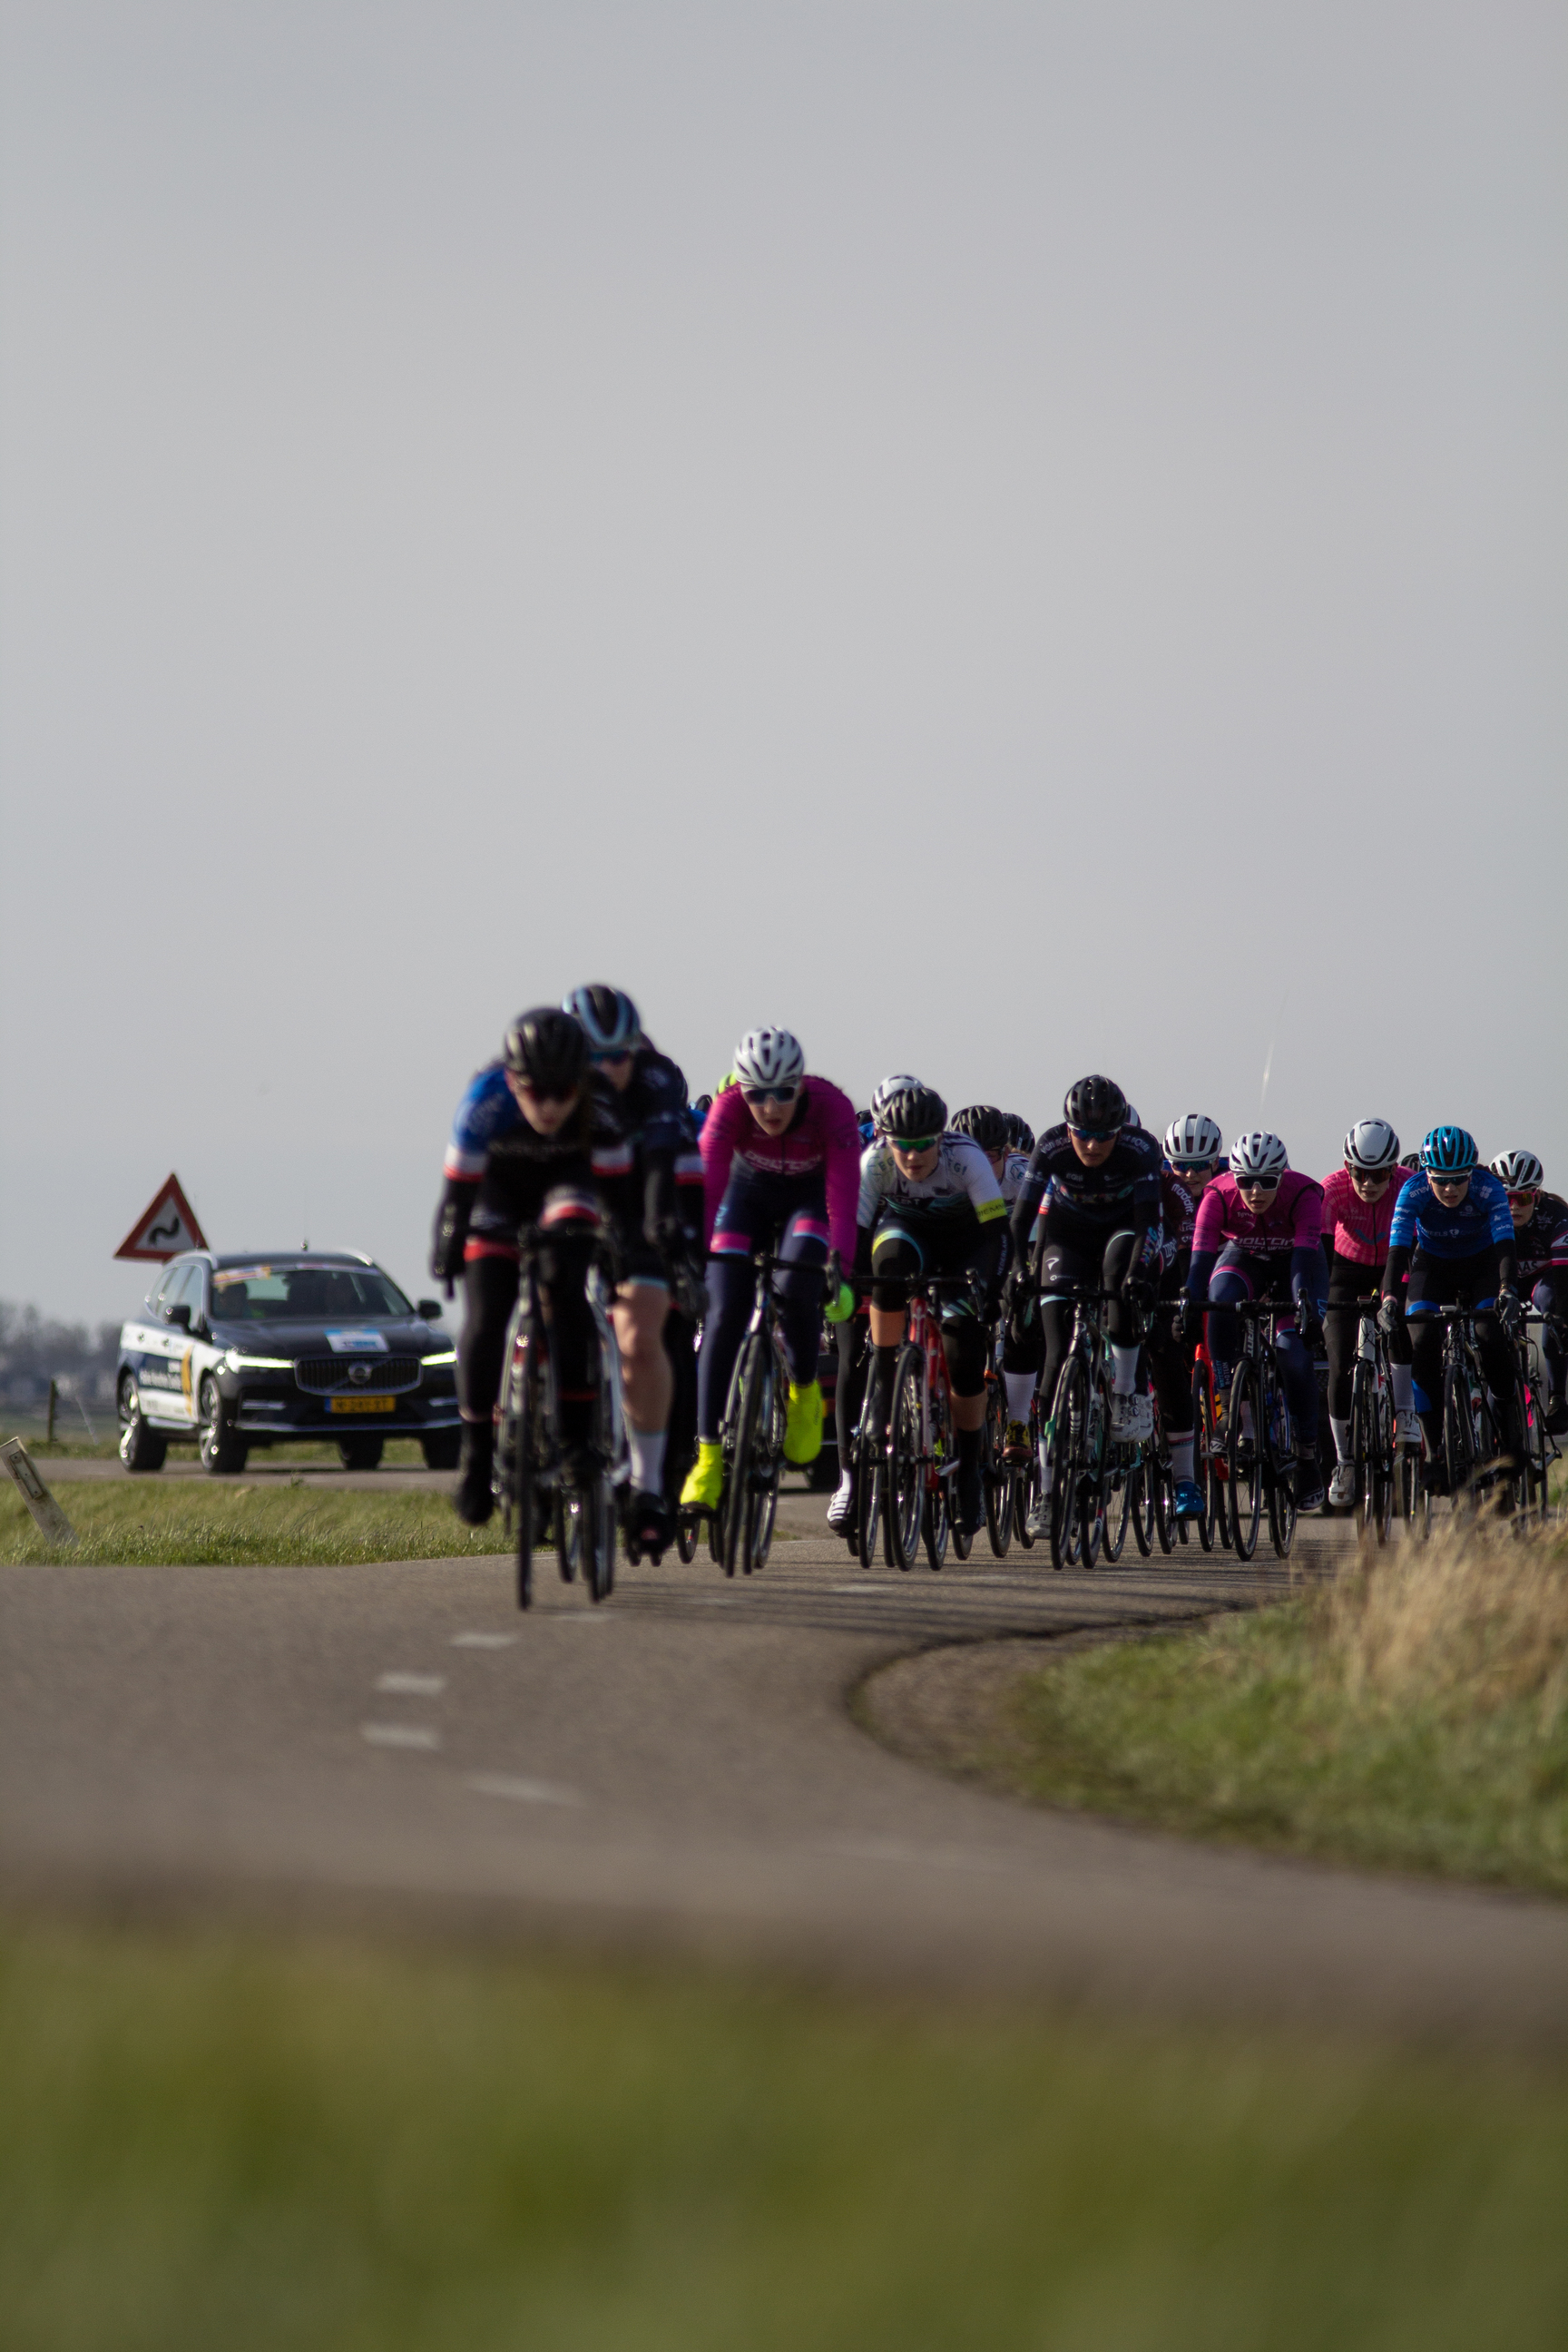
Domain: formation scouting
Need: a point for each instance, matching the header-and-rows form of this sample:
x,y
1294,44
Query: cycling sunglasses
x,y
770,1094
1194,1167
1517,1200
1257,1184
913,1142
554,1093
621,1054
1095,1134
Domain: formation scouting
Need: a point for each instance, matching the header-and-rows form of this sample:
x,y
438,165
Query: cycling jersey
x,y
653,1108
1542,1243
1015,1169
823,1138
1178,1215
1293,1221
591,1154
1084,1206
960,1187
488,1108
1480,1221
1354,1228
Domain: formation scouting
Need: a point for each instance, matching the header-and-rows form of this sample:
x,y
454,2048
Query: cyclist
x,y
1358,1210
666,1231
1020,1134
1541,1239
929,1203
995,1132
1452,1234
1257,1235
1088,1212
991,1131
535,1140
781,1156
1192,1148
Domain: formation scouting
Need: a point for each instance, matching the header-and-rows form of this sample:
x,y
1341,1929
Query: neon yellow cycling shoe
x,y
705,1479
803,1423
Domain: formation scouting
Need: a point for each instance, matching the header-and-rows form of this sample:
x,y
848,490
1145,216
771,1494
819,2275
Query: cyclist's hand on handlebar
x,y
1390,1313
1309,1324
840,1303
1136,1290
1188,1317
1510,1313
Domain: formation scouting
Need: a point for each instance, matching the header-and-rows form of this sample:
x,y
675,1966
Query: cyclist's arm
x,y
720,1131
1027,1207
1208,1233
1396,1267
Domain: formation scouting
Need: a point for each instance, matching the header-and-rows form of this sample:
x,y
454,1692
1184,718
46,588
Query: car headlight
x,y
446,1356
235,1362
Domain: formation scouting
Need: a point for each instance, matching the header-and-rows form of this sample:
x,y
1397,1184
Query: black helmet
x,y
905,1110
1096,1105
1020,1134
608,1016
548,1048
983,1125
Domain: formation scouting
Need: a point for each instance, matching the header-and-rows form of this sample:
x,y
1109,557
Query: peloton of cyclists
x,y
1541,1240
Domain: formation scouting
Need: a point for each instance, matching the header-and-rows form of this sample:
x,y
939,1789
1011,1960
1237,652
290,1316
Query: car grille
x,y
333,1375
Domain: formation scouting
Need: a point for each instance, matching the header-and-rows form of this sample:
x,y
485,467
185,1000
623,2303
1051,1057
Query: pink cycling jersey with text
x,y
824,1134
1293,1218
1357,1229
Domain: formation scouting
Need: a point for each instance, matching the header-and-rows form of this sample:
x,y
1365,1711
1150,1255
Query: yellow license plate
x,y
361,1404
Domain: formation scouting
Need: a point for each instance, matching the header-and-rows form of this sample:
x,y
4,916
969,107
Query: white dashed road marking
x,y
524,1792
483,1641
413,1686
400,1735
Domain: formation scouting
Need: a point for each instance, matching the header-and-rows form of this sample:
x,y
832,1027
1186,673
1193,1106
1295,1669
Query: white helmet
x,y
1372,1147
900,1083
1192,1138
1132,1119
769,1057
1258,1155
1520,1171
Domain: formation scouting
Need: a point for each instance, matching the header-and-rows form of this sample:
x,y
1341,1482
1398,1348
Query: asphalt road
x,y
678,1771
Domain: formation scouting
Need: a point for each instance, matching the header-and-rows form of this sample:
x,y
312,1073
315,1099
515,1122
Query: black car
x,y
277,1348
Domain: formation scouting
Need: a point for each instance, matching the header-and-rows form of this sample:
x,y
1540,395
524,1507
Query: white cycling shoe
x,y
1131,1418
1342,1486
1040,1520
841,1509
1408,1426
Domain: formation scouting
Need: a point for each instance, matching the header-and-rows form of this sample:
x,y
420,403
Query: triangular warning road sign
x,y
166,1229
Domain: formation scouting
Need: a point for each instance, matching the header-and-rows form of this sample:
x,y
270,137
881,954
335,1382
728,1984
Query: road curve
x,y
680,1770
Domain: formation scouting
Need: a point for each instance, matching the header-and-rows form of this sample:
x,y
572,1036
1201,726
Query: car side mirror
x,y
429,1310
179,1315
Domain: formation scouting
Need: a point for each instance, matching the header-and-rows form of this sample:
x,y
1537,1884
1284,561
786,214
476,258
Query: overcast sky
x,y
1013,540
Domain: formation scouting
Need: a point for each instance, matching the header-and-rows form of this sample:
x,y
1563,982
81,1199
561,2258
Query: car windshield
x,y
303,1294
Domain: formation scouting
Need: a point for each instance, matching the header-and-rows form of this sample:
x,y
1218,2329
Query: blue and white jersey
x,y
1480,1219
489,1110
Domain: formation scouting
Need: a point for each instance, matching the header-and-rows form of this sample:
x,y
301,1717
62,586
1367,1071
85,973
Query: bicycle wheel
x,y
1282,1463
906,1467
767,1459
1244,1461
1117,1515
1459,1435
1538,1450
1145,1486
1027,1493
998,1479
1168,1528
523,1417
749,1461
1204,1475
688,1524
870,1484
1068,1449
567,1531
1413,1498
1381,1516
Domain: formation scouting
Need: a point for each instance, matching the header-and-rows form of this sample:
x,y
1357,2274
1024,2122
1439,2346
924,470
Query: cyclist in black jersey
x,y
1541,1239
1088,1214
564,1165
664,1232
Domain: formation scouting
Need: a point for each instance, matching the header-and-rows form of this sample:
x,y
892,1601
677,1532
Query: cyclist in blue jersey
x,y
1452,1235
664,1233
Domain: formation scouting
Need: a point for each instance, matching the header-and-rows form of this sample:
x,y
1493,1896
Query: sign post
x,y
166,1228
53,1524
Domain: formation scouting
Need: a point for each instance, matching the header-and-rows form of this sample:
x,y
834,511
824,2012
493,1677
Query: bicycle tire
x,y
1026,1494
1090,1510
1382,1464
869,1500
1168,1528
1537,1452
762,1490
1146,1474
1282,1463
998,1479
1118,1512
567,1531
747,1440
1070,1428
1413,1496
1243,1460
906,1469
1459,1434
1203,1476
688,1527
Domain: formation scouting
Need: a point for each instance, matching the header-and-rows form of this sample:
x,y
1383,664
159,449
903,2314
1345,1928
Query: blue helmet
x,y
1449,1151
608,1016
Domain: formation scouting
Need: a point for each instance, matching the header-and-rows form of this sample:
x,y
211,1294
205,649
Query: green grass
x,y
212,2143
400,1454
1411,1716
147,1520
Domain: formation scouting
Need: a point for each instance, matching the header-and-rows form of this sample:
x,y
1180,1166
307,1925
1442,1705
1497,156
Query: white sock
x,y
1123,1370
1181,1457
1020,1388
1404,1379
1342,1429
647,1449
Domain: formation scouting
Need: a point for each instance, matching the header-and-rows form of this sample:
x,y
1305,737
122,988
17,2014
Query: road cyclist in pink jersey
x,y
1258,1236
781,1170
1358,1210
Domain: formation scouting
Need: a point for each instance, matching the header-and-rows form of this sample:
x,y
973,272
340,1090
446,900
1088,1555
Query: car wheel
x,y
142,1447
444,1450
221,1451
360,1452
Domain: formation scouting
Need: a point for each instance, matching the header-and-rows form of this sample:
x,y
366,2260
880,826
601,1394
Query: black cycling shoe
x,y
1557,1417
971,1499
647,1527
472,1499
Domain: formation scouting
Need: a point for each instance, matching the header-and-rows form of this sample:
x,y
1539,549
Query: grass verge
x,y
1413,1713
143,1522
209,2142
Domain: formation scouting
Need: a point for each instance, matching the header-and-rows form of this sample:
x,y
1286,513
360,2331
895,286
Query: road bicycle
x,y
1388,1478
751,1433
1533,1499
540,1491
999,1478
1260,1451
1211,1470
1079,1442
904,1477
1478,1469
